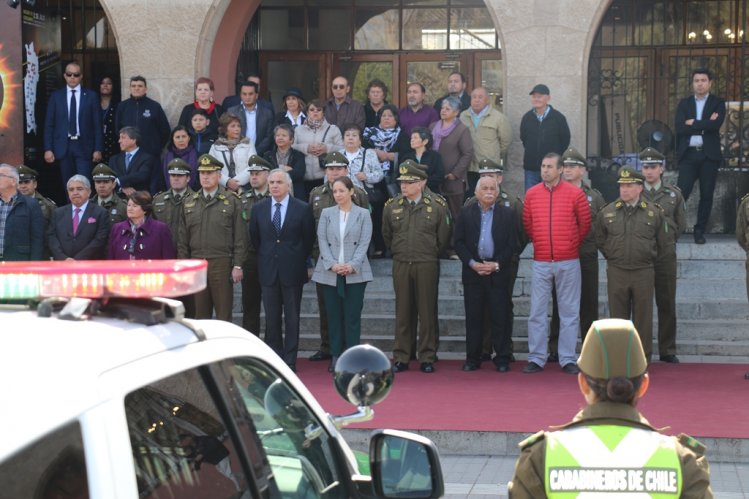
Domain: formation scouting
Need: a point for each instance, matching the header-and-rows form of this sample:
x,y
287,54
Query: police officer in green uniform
x,y
574,166
104,184
742,233
167,205
488,168
212,226
251,291
669,198
27,186
416,228
321,197
631,233
609,447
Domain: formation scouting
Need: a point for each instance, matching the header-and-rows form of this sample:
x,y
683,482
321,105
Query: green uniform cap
x,y
335,159
103,172
612,348
178,166
650,155
258,164
573,157
26,173
628,175
207,163
411,170
489,166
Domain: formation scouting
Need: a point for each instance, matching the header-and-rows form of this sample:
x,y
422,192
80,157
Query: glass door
x,y
432,70
282,70
363,68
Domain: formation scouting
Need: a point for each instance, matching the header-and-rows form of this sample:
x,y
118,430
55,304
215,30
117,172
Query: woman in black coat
x,y
289,159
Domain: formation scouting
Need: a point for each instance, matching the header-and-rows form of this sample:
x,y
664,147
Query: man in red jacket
x,y
557,219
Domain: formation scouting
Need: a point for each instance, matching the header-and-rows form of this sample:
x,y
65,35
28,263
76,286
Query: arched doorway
x,y
306,43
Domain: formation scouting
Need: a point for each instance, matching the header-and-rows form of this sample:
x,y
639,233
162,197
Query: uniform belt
x,y
74,137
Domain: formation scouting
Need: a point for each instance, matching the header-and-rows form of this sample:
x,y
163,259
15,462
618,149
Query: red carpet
x,y
703,400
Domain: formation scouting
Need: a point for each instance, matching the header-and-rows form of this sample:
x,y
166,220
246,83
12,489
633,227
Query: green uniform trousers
x,y
631,296
323,312
588,302
252,296
218,293
344,314
415,286
665,300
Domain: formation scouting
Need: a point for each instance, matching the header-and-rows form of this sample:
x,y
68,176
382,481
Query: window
x,y
53,465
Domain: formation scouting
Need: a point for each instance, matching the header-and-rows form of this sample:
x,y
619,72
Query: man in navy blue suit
x,y
136,169
257,121
282,230
72,128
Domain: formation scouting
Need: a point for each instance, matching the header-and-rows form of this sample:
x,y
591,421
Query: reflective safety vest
x,y
611,461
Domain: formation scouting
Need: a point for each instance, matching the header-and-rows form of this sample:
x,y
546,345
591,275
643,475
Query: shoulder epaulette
x,y
746,196
439,199
535,438
389,201
691,443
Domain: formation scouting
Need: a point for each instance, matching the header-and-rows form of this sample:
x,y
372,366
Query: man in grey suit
x,y
80,230
282,230
257,121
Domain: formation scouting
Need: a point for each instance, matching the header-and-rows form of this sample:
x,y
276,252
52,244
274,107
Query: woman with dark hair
x,y
293,105
377,94
363,166
389,143
203,100
343,233
233,151
289,160
140,237
180,146
609,437
452,140
316,138
422,153
108,103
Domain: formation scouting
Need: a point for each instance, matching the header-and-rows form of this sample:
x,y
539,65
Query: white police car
x,y
109,393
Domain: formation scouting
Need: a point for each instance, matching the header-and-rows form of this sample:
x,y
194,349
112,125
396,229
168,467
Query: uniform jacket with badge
x,y
249,199
47,205
168,209
116,208
588,248
148,117
151,241
24,231
212,229
356,238
557,220
529,478
670,199
707,128
468,232
631,238
419,233
89,243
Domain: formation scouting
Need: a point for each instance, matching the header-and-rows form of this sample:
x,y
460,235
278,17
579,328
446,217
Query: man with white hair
x,y
79,230
21,221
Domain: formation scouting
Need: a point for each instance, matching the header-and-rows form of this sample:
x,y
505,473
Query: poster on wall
x,y
11,86
734,135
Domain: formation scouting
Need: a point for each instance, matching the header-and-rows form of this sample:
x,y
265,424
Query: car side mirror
x,y
405,465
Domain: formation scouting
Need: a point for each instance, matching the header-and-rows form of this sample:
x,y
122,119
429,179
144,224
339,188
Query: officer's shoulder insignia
x,y
643,204
427,200
618,204
504,195
397,210
196,196
691,443
158,203
389,201
237,196
746,196
51,202
440,200
191,204
535,438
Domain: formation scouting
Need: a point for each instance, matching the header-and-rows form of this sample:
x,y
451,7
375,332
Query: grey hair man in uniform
x,y
669,198
104,183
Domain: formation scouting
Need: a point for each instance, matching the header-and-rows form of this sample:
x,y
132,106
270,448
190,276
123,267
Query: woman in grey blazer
x,y
343,270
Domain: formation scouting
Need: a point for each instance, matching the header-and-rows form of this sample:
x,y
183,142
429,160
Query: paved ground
x,y
487,476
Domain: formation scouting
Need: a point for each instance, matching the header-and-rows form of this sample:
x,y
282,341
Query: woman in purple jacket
x,y
140,237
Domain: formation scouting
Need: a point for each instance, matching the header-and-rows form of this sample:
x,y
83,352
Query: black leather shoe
x,y
671,359
486,356
319,355
333,360
470,366
399,367
699,237
503,368
532,368
427,367
571,368
553,357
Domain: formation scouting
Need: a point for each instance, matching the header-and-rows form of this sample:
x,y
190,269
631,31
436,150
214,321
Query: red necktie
x,y
76,220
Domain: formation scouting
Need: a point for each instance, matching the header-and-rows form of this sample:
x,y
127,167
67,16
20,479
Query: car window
x,y
52,467
181,447
300,452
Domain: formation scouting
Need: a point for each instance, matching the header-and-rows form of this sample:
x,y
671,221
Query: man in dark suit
x,y
234,100
282,231
80,230
72,128
698,122
135,168
485,238
456,87
257,121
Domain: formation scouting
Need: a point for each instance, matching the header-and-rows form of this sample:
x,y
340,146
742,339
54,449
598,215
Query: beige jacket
x,y
491,139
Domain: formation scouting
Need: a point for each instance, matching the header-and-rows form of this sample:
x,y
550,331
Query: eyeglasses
x,y
73,75
339,87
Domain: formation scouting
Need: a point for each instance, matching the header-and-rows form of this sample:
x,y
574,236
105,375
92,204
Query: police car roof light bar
x,y
101,279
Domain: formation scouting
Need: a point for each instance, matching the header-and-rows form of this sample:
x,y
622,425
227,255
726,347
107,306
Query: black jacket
x,y
299,167
148,117
144,173
24,231
542,137
709,129
468,231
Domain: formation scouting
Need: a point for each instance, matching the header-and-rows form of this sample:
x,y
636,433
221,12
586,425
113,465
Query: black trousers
x,y
696,166
490,293
282,301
